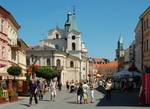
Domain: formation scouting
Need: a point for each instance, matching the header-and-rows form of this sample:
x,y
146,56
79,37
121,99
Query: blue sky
x,y
100,21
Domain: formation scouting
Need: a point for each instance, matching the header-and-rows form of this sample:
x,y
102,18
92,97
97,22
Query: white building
x,y
64,49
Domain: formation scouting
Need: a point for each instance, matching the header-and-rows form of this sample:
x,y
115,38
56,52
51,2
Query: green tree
x,y
14,71
45,72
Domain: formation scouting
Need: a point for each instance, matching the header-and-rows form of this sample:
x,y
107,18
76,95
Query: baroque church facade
x,y
64,50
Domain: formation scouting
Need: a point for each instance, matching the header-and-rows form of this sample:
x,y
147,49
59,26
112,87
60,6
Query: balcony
x,y
3,37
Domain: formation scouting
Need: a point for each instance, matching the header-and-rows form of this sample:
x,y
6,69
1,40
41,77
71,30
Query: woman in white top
x,y
53,90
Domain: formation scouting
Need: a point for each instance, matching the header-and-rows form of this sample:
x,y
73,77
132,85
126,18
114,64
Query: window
x,y
73,37
2,25
147,23
58,63
73,46
3,49
71,64
146,45
57,36
144,25
56,46
48,61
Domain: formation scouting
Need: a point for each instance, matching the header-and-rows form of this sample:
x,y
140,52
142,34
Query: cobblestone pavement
x,y
65,100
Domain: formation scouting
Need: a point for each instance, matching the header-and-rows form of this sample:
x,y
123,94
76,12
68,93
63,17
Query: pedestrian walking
x,y
108,89
33,92
85,92
53,90
59,86
40,88
67,85
92,93
80,93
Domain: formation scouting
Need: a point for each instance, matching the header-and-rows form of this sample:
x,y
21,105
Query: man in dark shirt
x,y
33,92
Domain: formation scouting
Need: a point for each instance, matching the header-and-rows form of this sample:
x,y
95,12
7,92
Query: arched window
x,y
73,37
57,36
48,62
73,46
58,63
56,46
71,64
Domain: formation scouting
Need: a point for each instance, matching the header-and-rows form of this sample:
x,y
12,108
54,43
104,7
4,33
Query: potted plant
x,y
2,99
12,95
14,71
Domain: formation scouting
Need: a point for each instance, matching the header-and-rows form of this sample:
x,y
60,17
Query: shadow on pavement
x,y
44,100
72,102
119,98
25,104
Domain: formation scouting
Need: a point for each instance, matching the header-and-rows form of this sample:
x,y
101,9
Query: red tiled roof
x,y
112,64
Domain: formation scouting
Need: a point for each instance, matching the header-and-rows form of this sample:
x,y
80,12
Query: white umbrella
x,y
125,72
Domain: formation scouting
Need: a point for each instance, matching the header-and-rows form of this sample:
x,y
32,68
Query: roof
x,y
20,40
121,39
57,29
98,60
7,14
145,12
112,64
40,48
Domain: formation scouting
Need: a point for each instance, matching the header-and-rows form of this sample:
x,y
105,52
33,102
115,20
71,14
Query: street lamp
x,y
33,59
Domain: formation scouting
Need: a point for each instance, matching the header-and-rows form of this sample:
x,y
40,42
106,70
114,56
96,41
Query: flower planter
x,y
13,98
2,100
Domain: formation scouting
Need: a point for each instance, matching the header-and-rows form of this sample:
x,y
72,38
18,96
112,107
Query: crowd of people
x,y
83,89
38,88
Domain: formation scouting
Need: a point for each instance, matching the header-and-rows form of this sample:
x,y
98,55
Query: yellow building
x,y
145,20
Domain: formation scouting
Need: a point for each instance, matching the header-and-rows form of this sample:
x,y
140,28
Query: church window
x,y
71,64
73,37
56,46
58,63
73,46
57,36
48,61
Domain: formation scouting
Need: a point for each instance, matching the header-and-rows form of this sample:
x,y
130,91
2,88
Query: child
x,y
85,98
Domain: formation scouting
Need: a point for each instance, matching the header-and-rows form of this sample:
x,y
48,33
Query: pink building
x,y
9,48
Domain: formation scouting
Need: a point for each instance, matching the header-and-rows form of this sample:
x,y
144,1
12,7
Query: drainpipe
x,y
142,44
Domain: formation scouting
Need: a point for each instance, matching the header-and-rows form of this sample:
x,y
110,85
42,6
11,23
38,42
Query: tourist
x,y
85,92
108,89
79,93
40,87
59,86
67,85
92,93
53,90
33,92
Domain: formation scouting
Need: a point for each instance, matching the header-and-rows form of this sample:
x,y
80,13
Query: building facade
x,y
138,46
127,58
10,52
145,28
67,46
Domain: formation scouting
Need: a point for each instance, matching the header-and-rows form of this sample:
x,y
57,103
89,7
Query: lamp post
x,y
33,59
